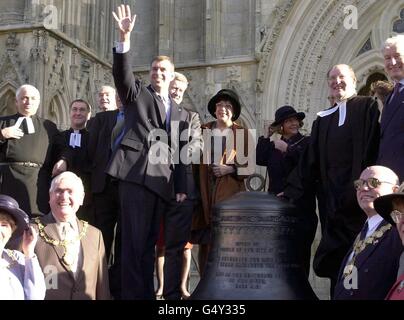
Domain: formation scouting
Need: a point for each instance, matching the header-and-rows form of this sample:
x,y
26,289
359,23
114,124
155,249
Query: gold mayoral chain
x,y
68,258
361,245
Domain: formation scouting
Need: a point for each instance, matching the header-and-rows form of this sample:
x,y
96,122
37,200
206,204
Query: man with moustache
x,y
344,141
391,151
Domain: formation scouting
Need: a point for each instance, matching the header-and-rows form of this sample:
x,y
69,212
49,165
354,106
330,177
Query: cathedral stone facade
x,y
272,52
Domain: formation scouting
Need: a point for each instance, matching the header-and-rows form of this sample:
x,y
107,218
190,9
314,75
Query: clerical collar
x,y
28,120
341,107
75,139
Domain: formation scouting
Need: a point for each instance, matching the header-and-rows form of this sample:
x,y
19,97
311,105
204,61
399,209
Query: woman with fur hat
x,y
220,173
21,277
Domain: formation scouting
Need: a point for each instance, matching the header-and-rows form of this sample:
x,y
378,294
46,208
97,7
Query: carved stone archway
x,y
307,38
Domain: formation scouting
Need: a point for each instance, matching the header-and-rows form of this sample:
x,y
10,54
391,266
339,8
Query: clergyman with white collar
x,y
29,148
344,140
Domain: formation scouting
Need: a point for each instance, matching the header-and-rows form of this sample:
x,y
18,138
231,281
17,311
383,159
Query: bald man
x,y
370,267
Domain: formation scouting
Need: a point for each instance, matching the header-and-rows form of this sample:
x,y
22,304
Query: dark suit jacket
x,y
79,162
391,152
134,160
377,267
99,147
340,216
92,279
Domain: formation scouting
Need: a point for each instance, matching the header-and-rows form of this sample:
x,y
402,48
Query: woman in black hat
x,y
21,277
220,174
281,156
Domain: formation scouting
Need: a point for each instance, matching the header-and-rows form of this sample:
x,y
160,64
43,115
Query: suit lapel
x,y
365,254
390,109
84,248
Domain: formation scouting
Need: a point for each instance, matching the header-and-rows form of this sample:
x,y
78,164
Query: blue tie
x,y
119,131
364,231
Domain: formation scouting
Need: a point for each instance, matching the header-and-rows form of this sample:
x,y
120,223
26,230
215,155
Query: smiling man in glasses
x,y
370,267
391,208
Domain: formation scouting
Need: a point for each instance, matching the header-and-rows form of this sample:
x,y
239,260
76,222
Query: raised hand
x,y
125,21
29,240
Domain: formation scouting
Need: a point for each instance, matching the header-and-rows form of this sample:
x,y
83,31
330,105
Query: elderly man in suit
x,y
69,249
29,147
391,151
106,99
145,160
370,267
344,141
173,251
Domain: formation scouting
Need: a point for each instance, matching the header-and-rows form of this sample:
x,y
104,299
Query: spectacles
x,y
371,183
397,216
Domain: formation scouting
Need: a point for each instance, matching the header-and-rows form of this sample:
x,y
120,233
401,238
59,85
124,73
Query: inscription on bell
x,y
255,251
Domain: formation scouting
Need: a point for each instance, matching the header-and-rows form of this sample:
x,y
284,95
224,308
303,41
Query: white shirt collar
x,y
73,222
373,223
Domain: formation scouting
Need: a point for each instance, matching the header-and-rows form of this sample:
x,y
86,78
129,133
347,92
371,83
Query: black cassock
x,y
26,163
335,157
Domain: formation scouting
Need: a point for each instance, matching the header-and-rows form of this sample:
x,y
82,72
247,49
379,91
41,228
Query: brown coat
x,y
92,280
214,190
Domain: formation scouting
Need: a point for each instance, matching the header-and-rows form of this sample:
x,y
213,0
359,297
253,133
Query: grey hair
x,y
396,41
25,86
78,183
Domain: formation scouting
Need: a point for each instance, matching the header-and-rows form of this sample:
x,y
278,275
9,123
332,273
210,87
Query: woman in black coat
x,y
281,156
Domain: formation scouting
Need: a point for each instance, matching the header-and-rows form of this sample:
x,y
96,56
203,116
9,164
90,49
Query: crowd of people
x,y
89,212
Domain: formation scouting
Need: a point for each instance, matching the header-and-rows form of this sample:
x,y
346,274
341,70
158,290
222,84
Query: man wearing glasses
x,y
370,267
391,208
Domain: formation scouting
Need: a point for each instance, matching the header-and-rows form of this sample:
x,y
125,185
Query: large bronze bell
x,y
255,251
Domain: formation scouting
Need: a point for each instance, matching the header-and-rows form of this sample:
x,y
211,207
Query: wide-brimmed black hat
x,y
11,207
286,112
384,204
225,94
